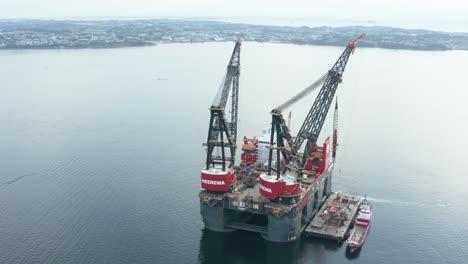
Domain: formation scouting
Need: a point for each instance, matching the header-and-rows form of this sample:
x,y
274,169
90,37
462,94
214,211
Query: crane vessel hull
x,y
243,207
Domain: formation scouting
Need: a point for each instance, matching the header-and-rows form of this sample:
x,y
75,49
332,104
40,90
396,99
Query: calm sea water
x,y
101,152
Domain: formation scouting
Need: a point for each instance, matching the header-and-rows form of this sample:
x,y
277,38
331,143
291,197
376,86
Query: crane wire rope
x,y
302,93
228,76
341,159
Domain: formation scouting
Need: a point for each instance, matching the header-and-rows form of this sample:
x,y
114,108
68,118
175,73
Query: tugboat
x,y
361,226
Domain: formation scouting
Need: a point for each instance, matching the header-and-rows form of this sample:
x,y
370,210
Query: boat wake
x,y
86,154
401,203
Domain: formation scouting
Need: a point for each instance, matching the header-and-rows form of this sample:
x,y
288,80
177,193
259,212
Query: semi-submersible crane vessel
x,y
280,183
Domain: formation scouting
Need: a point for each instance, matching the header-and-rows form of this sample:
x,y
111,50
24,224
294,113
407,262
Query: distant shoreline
x,y
103,34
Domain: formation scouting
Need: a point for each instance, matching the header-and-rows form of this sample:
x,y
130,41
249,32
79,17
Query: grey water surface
x,y
101,151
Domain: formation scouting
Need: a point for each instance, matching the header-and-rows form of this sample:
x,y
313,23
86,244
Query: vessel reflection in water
x,y
244,247
247,247
354,254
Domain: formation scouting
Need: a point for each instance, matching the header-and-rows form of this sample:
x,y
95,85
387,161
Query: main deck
x,y
335,217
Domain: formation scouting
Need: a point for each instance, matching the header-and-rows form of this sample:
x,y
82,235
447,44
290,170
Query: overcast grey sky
x,y
283,8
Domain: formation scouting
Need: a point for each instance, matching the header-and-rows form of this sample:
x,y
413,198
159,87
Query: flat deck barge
x,y
335,217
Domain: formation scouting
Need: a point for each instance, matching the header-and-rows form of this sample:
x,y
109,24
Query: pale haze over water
x,y
448,15
102,151
450,24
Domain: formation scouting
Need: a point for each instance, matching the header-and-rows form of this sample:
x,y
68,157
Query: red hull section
x,y
251,159
319,158
216,180
302,203
273,189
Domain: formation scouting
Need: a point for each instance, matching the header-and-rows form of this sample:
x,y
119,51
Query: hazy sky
x,y
281,8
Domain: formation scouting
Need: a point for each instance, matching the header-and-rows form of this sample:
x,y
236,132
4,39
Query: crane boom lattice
x,y
221,133
313,123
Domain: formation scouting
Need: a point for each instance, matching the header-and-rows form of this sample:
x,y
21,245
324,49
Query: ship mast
x,y
335,129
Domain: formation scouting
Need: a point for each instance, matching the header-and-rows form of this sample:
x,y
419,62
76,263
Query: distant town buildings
x,y
51,34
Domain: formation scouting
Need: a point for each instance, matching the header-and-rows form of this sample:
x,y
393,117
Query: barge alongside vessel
x,y
335,217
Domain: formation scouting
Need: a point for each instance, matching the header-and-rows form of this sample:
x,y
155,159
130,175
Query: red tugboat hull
x,y
361,227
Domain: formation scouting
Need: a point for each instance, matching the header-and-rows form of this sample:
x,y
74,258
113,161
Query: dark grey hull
x,y
275,222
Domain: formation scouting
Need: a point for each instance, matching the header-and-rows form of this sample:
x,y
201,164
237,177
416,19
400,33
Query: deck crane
x,y
287,145
221,133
